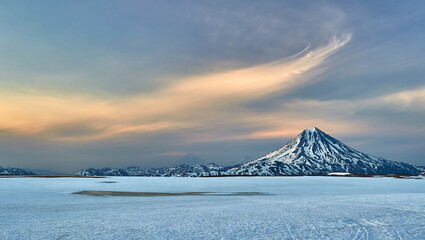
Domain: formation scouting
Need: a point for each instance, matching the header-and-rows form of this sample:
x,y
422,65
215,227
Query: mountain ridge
x,y
14,171
312,152
183,170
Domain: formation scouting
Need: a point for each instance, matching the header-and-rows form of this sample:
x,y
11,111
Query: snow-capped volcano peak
x,y
314,129
310,143
313,152
313,133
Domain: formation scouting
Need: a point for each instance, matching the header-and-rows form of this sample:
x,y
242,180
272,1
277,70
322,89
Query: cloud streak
x,y
185,103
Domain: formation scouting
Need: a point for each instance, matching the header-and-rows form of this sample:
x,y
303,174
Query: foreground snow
x,y
297,208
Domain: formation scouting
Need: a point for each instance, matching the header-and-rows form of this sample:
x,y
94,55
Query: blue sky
x,y
119,83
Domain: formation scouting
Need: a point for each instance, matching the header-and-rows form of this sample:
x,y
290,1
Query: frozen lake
x,y
287,208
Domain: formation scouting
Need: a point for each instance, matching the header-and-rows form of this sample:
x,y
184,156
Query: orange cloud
x,y
183,104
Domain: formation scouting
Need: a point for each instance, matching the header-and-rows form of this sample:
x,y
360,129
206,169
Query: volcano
x,y
313,152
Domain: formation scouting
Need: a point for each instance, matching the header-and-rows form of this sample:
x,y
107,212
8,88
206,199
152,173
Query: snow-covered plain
x,y
296,208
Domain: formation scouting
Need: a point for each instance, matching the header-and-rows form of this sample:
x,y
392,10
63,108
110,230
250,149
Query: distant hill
x,y
184,170
312,152
189,159
45,172
15,171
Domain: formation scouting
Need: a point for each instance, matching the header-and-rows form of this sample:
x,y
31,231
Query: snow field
x,y
297,208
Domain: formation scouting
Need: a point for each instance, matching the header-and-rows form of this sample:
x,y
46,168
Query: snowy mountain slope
x,y
314,152
184,170
14,171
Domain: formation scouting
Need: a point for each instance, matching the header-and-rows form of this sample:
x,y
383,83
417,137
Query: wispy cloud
x,y
185,103
407,100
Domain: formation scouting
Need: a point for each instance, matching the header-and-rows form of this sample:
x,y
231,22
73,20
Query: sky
x,y
159,83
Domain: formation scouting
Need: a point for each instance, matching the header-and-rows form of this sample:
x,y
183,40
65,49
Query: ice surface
x,y
339,174
297,208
